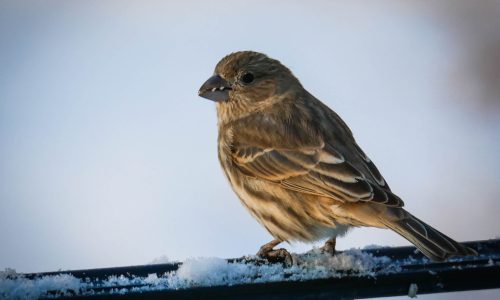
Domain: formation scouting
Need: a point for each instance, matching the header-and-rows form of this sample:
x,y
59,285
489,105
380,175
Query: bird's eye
x,y
247,78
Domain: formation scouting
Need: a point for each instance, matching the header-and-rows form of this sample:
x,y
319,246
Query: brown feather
x,y
296,166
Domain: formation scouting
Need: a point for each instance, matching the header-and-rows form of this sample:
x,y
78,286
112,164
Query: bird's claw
x,y
329,247
276,256
328,250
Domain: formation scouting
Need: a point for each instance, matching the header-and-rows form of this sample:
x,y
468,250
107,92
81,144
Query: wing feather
x,y
315,170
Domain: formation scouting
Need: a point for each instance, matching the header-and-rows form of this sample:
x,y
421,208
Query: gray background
x,y
108,157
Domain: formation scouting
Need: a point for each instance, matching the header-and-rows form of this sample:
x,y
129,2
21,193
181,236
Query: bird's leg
x,y
329,246
275,255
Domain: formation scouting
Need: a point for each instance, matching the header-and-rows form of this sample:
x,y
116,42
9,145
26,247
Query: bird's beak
x,y
215,89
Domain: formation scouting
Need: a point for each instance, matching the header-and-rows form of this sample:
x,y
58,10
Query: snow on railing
x,y
374,272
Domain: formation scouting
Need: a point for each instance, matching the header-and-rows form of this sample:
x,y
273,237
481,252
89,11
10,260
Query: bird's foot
x,y
329,247
275,255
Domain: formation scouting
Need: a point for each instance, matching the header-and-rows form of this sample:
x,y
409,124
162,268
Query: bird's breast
x,y
286,214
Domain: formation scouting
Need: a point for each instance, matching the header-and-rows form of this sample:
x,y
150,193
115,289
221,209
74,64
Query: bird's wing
x,y
319,170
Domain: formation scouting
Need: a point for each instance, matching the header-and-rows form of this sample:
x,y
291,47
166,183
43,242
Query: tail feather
x,y
432,243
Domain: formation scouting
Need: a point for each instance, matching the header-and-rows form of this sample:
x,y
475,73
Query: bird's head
x,y
246,79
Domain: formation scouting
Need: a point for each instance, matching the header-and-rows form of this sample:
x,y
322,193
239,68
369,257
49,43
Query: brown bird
x,y
295,165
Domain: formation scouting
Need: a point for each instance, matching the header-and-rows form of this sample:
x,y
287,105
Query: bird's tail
x,y
432,243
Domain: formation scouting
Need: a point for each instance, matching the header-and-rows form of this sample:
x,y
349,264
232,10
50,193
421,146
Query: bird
x,y
295,165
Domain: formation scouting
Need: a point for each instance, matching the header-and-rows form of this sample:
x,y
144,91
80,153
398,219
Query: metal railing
x,y
464,274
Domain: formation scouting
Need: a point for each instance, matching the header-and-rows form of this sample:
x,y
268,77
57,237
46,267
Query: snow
x,y
160,260
373,247
202,272
16,287
413,290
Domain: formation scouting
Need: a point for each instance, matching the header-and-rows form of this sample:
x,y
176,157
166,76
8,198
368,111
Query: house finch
x,y
295,165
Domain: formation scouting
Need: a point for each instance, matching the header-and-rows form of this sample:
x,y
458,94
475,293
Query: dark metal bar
x,y
471,273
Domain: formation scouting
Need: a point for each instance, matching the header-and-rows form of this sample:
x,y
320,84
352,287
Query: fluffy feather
x,y
296,166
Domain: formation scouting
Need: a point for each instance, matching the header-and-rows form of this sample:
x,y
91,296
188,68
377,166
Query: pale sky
x,y
108,156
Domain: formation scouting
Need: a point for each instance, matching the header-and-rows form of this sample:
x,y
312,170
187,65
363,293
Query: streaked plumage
x,y
295,164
